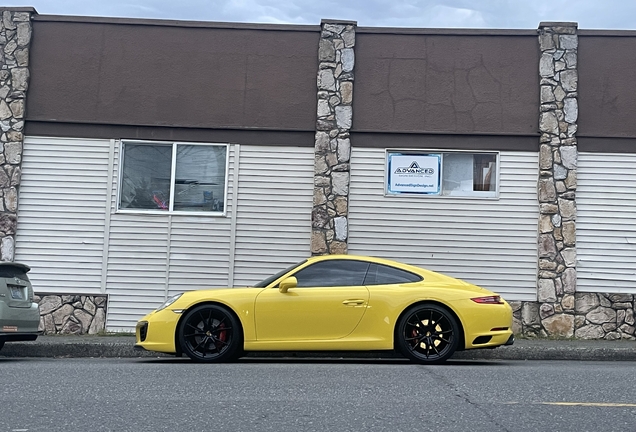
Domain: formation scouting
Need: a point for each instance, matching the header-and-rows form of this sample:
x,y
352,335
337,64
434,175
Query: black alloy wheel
x,y
210,333
427,334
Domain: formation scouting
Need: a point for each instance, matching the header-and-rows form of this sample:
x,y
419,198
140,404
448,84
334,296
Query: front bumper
x,y
156,331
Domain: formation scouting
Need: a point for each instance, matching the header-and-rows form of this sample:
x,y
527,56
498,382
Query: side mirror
x,y
287,283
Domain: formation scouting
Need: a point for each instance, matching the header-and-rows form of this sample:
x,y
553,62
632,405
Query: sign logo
x,y
414,168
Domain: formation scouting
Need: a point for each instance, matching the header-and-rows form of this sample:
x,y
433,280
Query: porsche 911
x,y
332,303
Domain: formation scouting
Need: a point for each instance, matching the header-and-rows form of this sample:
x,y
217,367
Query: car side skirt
x,y
344,344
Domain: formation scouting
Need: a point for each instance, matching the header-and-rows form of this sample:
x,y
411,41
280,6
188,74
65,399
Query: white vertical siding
x,y
62,208
154,256
492,243
137,267
606,223
200,246
275,199
199,253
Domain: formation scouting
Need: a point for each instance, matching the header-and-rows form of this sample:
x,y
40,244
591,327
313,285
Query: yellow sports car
x,y
332,303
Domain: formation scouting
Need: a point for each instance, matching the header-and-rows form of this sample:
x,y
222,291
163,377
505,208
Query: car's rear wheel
x,y
210,333
427,334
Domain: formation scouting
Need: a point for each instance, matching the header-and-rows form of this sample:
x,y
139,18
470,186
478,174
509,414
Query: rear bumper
x,y
18,337
17,323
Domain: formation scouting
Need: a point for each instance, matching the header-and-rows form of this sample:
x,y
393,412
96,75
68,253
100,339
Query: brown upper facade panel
x,y
428,83
167,75
607,85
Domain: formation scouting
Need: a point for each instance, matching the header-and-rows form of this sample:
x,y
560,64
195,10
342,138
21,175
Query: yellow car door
x,y
327,303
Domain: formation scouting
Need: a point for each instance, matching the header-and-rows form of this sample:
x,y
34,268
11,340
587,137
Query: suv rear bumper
x,y
19,322
17,337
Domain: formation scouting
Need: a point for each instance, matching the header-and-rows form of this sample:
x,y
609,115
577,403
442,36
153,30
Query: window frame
x,y
481,195
331,262
173,171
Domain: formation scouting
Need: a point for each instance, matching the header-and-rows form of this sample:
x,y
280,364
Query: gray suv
x,y
19,314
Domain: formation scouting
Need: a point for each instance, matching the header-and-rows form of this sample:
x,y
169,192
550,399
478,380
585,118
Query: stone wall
x,y
332,146
15,40
72,314
595,316
557,177
604,316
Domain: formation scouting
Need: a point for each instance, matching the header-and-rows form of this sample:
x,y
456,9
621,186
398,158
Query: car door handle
x,y
353,302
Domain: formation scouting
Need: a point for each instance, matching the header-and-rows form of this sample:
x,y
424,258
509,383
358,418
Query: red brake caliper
x,y
222,336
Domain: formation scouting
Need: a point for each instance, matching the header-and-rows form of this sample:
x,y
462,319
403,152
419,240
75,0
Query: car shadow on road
x,y
325,360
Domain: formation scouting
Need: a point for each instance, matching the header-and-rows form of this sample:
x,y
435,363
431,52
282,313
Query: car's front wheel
x,y
427,334
210,333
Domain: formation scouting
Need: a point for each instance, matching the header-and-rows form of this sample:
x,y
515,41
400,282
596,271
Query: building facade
x,y
147,157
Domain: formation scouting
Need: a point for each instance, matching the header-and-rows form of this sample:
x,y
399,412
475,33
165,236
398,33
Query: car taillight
x,y
488,300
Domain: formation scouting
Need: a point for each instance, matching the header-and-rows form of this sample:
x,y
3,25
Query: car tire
x,y
210,333
1,344
427,334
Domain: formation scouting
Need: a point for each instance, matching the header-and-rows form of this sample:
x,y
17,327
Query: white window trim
x,y
173,171
481,195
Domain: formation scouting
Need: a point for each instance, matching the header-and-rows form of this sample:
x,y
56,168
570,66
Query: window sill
x,y
170,213
479,196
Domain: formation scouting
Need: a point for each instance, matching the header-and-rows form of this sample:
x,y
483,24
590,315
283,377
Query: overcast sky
x,y
519,14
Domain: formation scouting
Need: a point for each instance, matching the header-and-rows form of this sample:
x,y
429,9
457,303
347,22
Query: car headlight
x,y
168,302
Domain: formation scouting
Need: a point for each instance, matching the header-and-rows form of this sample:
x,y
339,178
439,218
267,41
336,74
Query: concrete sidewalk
x,y
523,349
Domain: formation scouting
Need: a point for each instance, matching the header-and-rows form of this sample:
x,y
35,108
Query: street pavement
x,y
72,346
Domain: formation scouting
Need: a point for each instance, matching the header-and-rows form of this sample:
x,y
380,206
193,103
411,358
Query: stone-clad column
x,y
15,40
557,178
329,217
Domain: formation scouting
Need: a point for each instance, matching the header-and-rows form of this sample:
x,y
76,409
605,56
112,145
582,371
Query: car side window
x,y
333,273
380,274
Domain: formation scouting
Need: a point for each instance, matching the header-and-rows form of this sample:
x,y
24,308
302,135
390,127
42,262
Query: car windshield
x,y
269,280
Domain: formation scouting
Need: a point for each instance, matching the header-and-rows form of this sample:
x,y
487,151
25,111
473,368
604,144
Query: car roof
x,y
368,259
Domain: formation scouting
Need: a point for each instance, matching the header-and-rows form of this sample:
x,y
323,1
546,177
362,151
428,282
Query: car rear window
x,y
380,274
13,272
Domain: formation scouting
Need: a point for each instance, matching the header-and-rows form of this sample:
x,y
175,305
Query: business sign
x,y
413,173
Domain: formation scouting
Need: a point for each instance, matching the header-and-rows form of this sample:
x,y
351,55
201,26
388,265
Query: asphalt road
x,y
166,394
